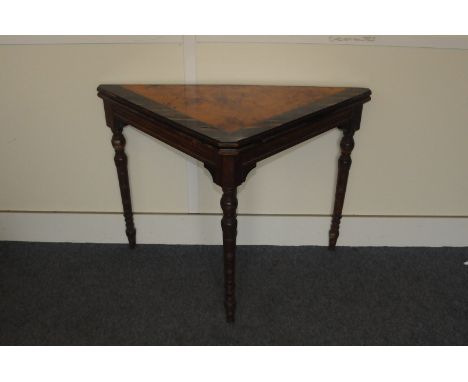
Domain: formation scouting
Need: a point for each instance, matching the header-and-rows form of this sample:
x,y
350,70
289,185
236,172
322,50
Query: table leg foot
x,y
131,235
332,238
230,313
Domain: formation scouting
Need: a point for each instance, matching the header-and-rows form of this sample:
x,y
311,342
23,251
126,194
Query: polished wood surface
x,y
230,128
120,159
229,227
230,113
344,165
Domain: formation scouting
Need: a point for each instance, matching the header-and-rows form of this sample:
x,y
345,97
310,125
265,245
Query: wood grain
x,y
230,113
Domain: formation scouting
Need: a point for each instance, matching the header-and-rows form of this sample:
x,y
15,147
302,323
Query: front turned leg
x,y
120,159
344,164
229,226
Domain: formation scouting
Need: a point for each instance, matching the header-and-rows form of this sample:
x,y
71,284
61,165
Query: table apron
x,y
169,135
292,136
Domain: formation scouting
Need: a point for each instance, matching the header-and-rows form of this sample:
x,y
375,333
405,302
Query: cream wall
x,y
409,159
55,151
410,154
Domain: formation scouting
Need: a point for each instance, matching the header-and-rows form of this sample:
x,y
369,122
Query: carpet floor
x,y
107,294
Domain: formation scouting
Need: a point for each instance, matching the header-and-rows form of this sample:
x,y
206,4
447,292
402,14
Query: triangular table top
x,y
230,113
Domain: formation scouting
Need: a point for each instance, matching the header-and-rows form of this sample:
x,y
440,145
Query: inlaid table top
x,y
233,113
230,128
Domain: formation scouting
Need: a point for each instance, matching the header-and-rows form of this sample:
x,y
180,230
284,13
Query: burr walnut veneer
x,y
230,128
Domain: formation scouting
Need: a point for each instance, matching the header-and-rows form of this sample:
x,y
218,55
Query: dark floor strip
x,y
106,294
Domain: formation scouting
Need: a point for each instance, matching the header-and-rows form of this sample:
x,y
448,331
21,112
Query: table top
x,y
231,113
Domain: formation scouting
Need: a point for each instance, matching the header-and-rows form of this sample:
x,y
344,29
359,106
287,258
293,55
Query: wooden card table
x,y
230,128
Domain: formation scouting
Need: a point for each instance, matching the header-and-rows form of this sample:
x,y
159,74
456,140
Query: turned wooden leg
x,y
120,159
229,226
344,164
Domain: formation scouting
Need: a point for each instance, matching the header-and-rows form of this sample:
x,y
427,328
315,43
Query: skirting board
x,y
253,229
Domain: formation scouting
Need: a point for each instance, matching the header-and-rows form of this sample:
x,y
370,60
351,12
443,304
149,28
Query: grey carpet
x,y
90,294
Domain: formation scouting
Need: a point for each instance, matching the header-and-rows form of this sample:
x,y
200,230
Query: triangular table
x,y
230,128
